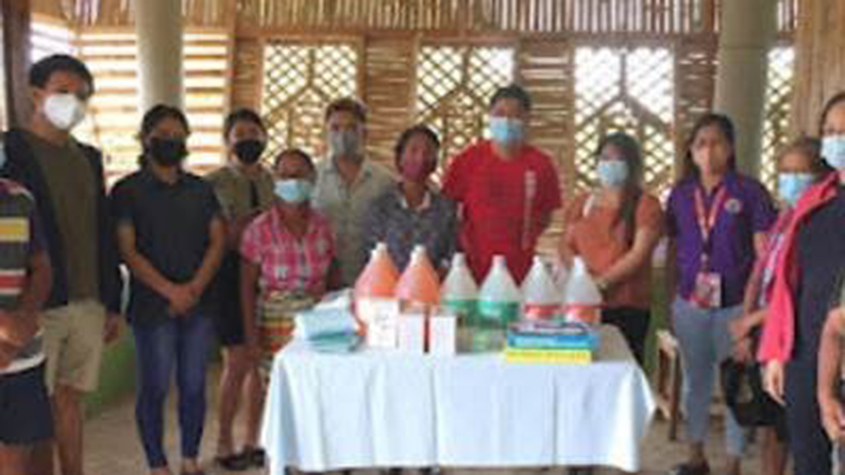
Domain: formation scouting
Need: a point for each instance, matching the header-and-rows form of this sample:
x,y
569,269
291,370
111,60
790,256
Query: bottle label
x,y
462,308
590,314
498,313
541,312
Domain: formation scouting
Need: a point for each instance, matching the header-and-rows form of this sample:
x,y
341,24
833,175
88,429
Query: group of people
x,y
759,283
238,252
233,254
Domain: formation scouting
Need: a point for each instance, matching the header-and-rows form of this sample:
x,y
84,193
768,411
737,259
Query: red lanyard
x,y
707,221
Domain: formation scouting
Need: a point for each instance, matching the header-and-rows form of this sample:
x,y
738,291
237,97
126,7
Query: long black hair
x,y
407,135
633,188
725,126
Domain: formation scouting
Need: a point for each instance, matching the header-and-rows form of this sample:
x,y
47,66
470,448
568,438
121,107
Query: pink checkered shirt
x,y
289,264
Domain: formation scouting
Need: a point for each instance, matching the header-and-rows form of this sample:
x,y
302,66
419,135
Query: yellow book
x,y
519,355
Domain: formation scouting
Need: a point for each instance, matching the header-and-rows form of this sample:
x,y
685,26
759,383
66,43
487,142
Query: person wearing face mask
x,y
807,284
799,166
67,182
172,238
244,188
414,212
615,229
506,189
287,260
717,221
348,184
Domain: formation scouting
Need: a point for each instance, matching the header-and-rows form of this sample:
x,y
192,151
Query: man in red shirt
x,y
507,189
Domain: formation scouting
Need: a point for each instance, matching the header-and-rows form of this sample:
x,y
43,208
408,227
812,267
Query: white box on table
x,y
379,315
411,332
442,334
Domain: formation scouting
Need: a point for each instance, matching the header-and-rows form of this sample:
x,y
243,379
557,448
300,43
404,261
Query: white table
x,y
380,408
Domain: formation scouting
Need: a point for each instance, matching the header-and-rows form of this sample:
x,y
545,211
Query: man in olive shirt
x,y
67,181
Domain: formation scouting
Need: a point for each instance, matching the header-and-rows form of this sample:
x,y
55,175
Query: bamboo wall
x,y
820,68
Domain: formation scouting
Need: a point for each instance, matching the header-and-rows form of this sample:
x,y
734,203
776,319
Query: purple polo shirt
x,y
747,210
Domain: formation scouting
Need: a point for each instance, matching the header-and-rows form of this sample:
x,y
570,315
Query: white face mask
x,y
64,111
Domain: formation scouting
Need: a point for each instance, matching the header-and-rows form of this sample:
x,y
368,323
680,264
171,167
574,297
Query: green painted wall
x,y
117,376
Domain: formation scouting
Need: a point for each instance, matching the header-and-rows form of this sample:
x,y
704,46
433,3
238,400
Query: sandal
x,y
255,456
234,462
690,469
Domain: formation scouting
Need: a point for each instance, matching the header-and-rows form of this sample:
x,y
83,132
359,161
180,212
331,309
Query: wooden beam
x,y
16,51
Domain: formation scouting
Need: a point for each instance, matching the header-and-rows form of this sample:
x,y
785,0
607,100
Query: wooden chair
x,y
668,381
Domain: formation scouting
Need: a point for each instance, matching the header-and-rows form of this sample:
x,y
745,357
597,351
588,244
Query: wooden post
x,y
158,24
820,64
16,52
747,33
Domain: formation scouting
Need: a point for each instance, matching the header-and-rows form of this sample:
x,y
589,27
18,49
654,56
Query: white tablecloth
x,y
380,408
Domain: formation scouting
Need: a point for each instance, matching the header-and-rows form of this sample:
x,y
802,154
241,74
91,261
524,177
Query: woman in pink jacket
x,y
807,276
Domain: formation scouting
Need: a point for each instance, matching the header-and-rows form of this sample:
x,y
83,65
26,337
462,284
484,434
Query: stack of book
x,y
551,341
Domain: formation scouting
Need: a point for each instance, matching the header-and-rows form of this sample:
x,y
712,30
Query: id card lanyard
x,y
707,222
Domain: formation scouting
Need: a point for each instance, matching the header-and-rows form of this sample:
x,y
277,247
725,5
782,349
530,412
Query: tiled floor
x,y
113,448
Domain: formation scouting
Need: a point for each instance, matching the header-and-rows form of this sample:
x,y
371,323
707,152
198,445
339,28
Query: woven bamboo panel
x,y
247,74
820,65
388,93
630,90
299,81
695,82
545,69
454,86
49,38
776,128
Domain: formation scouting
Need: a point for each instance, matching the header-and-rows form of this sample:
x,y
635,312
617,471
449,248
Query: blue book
x,y
554,334
551,342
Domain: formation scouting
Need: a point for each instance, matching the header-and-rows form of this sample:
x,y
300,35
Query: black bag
x,y
742,386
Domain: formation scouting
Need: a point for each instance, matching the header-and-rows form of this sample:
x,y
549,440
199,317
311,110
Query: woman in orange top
x,y
615,229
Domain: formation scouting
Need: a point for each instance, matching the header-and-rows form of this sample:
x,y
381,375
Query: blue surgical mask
x,y
506,131
612,173
792,185
833,151
294,191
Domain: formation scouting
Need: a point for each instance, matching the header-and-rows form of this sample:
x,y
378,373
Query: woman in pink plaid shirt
x,y
288,260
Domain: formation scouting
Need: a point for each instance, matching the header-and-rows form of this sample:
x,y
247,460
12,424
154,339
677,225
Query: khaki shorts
x,y
73,344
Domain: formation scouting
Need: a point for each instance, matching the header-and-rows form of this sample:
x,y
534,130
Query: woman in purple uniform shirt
x,y
716,222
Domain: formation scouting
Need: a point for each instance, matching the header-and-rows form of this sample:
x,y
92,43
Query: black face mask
x,y
166,152
249,151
